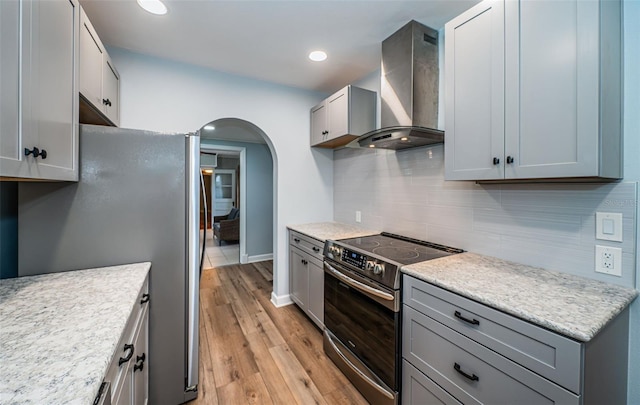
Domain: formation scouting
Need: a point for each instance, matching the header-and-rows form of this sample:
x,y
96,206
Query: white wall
x,y
550,226
163,95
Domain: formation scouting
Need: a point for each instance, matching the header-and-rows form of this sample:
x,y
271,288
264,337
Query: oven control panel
x,y
354,258
362,262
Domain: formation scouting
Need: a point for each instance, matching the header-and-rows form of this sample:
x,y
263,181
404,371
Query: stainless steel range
x,y
362,308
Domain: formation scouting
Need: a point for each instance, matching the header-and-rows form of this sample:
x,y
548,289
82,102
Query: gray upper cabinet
x,y
38,78
342,117
533,91
99,79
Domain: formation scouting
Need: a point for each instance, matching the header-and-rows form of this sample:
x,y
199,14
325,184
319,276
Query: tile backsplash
x,y
546,225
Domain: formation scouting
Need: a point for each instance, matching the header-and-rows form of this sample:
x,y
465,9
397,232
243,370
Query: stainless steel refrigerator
x,y
137,200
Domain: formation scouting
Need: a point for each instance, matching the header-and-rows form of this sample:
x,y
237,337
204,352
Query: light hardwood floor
x,y
254,353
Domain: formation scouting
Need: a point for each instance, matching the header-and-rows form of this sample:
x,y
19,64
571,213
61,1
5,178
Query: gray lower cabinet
x,y
128,373
456,349
306,275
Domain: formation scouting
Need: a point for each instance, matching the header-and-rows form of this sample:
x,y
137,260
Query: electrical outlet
x,y
609,260
358,216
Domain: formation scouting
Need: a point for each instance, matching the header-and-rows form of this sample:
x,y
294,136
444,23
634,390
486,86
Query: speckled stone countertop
x,y
331,230
58,332
570,305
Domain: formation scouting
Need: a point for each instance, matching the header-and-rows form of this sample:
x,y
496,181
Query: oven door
x,y
362,317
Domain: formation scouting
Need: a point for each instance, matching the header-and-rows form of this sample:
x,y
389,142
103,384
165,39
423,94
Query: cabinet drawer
x,y
306,244
117,372
470,371
417,388
547,353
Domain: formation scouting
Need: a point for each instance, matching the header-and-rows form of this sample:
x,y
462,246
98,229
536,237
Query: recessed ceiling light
x,y
209,127
153,6
318,56
372,146
404,138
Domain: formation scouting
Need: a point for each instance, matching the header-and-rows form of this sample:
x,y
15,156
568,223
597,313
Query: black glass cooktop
x,y
400,248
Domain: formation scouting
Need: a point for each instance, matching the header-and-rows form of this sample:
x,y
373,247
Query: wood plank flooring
x,y
254,353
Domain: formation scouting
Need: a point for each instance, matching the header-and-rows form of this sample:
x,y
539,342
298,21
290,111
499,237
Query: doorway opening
x,y
246,190
221,173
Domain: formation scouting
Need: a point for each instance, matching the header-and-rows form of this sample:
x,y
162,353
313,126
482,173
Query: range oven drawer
x,y
547,353
471,372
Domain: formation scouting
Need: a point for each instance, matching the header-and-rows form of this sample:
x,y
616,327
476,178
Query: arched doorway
x,y
256,152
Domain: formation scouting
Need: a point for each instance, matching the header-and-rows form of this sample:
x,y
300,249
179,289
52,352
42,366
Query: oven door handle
x,y
356,370
358,285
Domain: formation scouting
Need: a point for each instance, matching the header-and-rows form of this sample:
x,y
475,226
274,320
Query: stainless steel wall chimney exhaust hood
x,y
409,91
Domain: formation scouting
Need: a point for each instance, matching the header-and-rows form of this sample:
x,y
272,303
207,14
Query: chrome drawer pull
x,y
471,377
467,320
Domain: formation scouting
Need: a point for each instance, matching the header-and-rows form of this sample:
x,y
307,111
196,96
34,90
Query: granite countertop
x,y
58,332
570,305
331,230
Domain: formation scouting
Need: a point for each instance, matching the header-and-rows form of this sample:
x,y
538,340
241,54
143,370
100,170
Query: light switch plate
x,y
609,226
358,216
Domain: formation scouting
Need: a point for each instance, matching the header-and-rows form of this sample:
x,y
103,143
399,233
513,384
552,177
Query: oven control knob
x,y
378,268
370,265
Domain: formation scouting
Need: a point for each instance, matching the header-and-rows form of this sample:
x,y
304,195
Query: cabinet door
x,y
552,83
49,98
141,368
125,396
474,95
11,155
316,292
299,278
111,91
91,65
318,124
338,114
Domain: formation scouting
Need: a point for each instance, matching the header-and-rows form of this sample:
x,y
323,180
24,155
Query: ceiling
x,y
269,39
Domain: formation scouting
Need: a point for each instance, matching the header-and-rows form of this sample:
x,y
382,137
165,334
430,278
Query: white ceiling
x,y
268,39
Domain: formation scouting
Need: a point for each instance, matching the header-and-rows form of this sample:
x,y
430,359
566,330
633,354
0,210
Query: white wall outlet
x,y
609,260
358,216
609,226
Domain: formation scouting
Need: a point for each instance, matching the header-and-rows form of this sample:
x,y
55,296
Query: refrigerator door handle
x,y
203,190
193,258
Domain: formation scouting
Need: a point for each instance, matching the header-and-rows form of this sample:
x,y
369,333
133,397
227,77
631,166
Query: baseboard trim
x,y
259,258
280,301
